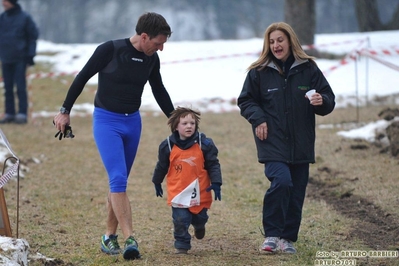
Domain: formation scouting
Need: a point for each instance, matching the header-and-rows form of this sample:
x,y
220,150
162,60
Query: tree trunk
x,y
368,17
301,16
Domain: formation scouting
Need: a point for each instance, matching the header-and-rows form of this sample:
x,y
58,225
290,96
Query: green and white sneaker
x,y
110,246
131,251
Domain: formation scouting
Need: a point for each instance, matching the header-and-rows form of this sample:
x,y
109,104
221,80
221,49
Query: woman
x,y
273,100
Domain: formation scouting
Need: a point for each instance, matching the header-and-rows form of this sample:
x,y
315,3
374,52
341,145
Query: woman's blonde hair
x,y
267,56
181,112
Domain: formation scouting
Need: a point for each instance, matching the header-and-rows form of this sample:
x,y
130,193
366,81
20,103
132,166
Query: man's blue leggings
x,y
117,137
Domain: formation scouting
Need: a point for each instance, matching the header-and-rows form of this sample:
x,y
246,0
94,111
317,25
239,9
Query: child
x,y
189,161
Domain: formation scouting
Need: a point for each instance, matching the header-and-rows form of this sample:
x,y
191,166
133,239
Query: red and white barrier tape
x,y
209,58
344,61
371,55
393,50
42,75
313,46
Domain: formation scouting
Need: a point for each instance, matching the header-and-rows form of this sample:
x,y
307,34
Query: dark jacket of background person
x,y
18,36
280,101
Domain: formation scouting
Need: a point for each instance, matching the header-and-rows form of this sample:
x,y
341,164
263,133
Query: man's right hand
x,y
60,121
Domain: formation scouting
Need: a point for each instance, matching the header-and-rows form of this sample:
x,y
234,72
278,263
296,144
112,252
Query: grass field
x,y
352,198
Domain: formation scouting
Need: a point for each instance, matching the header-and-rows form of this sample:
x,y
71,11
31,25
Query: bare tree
x,y
98,20
367,14
301,16
226,20
257,15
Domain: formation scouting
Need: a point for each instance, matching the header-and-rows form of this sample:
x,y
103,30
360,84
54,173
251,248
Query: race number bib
x,y
189,197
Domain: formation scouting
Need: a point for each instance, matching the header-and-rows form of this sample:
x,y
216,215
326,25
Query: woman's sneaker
x,y
270,245
110,246
131,251
286,246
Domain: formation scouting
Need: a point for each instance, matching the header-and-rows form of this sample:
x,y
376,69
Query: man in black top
x,y
123,66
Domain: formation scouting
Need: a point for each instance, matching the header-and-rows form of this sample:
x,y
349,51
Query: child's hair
x,y
181,112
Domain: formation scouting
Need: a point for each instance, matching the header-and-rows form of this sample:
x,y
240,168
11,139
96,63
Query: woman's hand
x,y
261,131
316,99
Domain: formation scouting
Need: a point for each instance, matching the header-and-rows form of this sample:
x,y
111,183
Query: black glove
x,y
216,189
66,134
158,190
29,61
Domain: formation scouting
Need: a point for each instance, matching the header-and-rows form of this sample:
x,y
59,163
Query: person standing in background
x,y
124,66
18,37
274,99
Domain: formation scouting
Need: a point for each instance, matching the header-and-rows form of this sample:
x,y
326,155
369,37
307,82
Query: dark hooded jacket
x,y
18,36
279,100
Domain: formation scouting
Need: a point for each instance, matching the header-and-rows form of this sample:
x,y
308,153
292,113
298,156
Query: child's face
x,y
186,127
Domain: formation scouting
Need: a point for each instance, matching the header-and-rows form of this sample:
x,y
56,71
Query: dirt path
x,y
376,228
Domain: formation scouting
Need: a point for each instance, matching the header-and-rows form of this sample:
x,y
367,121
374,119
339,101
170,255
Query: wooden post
x,y
5,228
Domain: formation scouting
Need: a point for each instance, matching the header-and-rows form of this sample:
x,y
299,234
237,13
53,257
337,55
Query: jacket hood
x,y
183,144
17,8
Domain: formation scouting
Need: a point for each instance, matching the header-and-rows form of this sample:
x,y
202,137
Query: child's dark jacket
x,y
208,148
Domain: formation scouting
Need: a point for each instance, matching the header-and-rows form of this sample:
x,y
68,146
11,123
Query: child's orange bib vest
x,y
186,166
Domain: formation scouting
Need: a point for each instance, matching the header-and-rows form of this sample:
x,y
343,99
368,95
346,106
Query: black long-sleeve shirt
x,y
123,72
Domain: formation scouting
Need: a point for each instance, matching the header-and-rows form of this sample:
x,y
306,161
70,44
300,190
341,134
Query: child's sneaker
x,y
110,246
270,245
199,233
131,250
181,251
286,246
